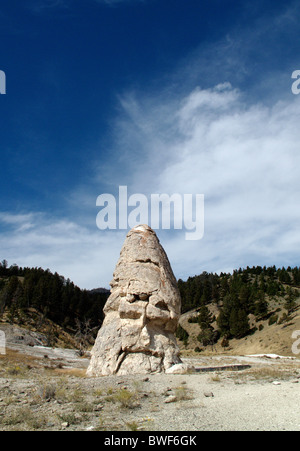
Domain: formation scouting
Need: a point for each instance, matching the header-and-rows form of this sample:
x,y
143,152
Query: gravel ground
x,y
48,391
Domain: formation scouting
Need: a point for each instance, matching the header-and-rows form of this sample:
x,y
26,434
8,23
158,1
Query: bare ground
x,y
45,389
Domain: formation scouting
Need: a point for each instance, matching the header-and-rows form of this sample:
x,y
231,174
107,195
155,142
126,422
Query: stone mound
x,y
142,312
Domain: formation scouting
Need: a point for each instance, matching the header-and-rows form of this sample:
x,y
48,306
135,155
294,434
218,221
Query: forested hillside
x,y
50,294
257,292
222,305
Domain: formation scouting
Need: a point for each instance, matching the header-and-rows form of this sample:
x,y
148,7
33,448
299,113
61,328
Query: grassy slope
x,y
276,338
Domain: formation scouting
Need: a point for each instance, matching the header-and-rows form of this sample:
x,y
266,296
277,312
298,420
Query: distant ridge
x,y
99,290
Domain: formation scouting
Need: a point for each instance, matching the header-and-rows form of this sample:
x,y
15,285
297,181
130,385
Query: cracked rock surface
x,y
142,312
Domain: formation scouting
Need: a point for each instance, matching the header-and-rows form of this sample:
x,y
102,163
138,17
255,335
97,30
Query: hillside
x,y
267,339
254,310
46,303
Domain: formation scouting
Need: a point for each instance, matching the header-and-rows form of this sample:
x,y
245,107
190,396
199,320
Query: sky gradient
x,y
162,96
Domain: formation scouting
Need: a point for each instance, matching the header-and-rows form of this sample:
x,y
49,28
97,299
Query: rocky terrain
x,y
44,389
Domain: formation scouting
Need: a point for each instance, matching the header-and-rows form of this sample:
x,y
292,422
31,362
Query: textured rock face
x,y
142,312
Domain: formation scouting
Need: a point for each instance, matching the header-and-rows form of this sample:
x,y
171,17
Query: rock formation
x,y
141,314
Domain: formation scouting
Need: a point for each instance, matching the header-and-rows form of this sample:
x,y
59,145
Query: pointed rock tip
x,y
141,228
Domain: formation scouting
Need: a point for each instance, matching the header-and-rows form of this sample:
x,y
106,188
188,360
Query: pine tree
x,y
239,323
261,305
244,295
224,316
290,302
182,334
205,318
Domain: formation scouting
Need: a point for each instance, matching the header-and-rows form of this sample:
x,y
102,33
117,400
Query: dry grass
x,y
14,357
24,419
127,399
266,373
182,393
14,363
76,372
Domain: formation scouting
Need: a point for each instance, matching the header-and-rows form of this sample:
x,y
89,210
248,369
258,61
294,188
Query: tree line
x,y
55,297
246,291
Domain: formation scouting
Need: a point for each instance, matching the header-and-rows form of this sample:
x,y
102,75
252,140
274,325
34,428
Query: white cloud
x,y
85,256
245,160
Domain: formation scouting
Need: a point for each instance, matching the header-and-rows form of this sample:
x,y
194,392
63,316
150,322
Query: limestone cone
x,y
142,312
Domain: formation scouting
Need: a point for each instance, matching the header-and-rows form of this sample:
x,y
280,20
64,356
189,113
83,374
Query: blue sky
x,y
163,96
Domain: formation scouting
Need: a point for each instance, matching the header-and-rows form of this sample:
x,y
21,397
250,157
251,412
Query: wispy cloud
x,y
243,157
256,55
73,250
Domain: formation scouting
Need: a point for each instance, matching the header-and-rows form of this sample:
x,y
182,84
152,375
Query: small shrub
x,y
132,426
48,392
126,398
225,342
77,395
182,394
17,417
14,371
85,407
101,426
36,422
98,392
273,320
70,418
